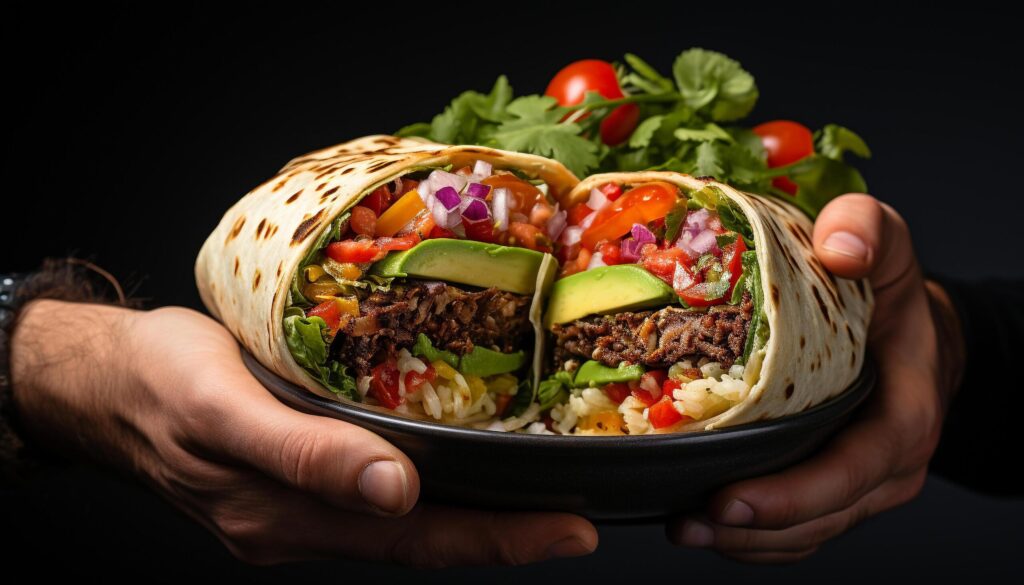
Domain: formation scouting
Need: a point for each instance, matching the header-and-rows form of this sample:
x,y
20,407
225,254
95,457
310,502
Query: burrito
x,y
683,304
402,275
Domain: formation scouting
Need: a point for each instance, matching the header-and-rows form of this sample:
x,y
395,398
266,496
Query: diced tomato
x,y
363,221
464,171
413,380
732,260
663,414
541,213
641,204
566,254
406,186
379,200
654,377
669,386
480,230
577,213
501,403
384,384
683,278
611,190
524,195
549,423
610,253
355,251
616,391
529,236
329,311
701,295
661,263
644,396
440,232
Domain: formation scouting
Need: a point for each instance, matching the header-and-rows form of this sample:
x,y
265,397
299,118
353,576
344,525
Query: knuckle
x,y
299,452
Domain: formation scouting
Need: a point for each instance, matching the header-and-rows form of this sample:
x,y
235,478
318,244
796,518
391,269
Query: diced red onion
x,y
629,249
482,168
571,235
697,221
642,234
588,220
704,242
556,225
448,197
499,208
683,243
596,260
476,210
478,190
598,200
681,279
439,179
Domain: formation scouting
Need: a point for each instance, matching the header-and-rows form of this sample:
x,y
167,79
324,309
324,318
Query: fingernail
x,y
737,513
384,486
570,546
847,244
696,534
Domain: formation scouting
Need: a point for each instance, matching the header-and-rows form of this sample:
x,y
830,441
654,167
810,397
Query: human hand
x,y
880,460
164,394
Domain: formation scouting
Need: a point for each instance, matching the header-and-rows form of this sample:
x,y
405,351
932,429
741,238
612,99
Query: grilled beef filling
x,y
454,319
657,339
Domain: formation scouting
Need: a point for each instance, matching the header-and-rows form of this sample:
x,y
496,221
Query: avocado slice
x,y
594,373
604,290
485,362
466,262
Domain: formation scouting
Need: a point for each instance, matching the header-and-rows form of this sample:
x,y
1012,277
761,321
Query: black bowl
x,y
603,478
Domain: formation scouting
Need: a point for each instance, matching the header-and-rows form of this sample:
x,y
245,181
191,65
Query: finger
x,y
801,537
856,462
343,464
856,236
267,525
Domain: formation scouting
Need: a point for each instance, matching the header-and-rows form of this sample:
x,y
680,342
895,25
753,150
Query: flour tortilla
x,y
818,322
245,268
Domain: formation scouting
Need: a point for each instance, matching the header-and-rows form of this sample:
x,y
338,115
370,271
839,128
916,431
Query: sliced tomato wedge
x,y
379,200
663,414
329,311
661,263
642,205
577,213
399,242
384,384
355,251
413,380
524,195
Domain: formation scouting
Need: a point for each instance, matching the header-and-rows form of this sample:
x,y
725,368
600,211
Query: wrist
x,y
69,373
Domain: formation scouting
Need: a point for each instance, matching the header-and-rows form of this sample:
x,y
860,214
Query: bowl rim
x,y
298,397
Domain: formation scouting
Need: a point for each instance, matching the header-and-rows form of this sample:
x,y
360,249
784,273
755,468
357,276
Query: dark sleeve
x,y
982,437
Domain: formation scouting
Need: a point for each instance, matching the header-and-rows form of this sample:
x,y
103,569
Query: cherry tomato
x,y
610,253
379,200
641,204
524,195
570,85
363,220
384,384
354,251
663,414
786,142
616,391
329,311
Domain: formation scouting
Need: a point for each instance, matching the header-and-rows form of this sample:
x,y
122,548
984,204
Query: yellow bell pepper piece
x,y
313,273
399,214
477,388
608,422
444,370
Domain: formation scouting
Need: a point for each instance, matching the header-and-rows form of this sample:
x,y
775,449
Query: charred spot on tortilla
x,y
860,288
803,342
279,184
347,170
853,358
294,196
789,390
256,279
306,227
239,223
381,165
236,265
320,187
799,232
280,266
705,178
385,140
259,228
828,350
849,333
775,295
821,303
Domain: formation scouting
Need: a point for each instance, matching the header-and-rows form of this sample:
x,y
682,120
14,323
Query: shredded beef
x,y
657,339
454,319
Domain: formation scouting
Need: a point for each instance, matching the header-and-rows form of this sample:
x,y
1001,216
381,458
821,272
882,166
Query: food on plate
x,y
684,304
403,275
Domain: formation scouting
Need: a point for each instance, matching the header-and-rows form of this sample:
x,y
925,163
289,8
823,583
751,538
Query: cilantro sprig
x,y
688,123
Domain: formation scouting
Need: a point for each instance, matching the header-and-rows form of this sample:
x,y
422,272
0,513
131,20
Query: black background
x,y
129,133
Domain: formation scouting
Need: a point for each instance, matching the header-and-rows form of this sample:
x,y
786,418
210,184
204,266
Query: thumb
x,y
344,465
856,236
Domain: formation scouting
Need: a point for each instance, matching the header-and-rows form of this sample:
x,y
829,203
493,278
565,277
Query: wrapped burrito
x,y
683,304
399,274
